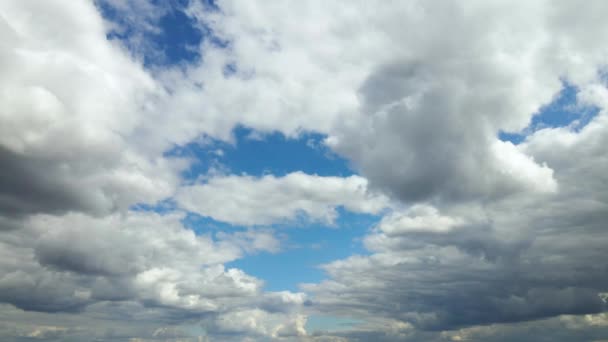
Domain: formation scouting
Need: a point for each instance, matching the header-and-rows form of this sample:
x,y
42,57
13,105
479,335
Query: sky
x,y
313,171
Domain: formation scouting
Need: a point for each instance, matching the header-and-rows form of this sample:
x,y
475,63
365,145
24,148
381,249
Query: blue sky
x,y
257,154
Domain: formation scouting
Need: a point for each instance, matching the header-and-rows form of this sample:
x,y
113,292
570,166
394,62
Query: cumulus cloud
x,y
419,218
490,241
424,128
259,323
65,263
140,265
516,259
247,200
72,102
434,101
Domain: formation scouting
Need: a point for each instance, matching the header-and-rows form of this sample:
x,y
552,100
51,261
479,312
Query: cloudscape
x,y
198,170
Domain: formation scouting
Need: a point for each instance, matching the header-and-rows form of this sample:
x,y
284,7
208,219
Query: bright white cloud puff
x,y
247,200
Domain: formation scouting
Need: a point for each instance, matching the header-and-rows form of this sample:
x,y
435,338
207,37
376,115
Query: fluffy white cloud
x,y
419,218
247,200
72,104
258,323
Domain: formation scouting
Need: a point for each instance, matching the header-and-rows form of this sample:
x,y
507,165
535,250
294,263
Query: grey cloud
x,y
430,133
527,222
520,258
439,281
561,329
138,267
30,186
66,263
428,122
41,291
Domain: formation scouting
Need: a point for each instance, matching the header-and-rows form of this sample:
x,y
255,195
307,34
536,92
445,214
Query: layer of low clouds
x,y
141,265
480,239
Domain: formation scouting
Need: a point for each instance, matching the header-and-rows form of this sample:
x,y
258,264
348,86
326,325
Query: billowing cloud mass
x,y
107,233
72,103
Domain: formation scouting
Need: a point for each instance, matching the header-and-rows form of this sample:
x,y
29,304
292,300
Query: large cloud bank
x,y
480,238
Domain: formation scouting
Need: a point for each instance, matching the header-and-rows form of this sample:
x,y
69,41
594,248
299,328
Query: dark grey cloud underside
x,y
34,185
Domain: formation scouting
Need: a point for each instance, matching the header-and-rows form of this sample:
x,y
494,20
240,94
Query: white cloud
x,y
247,200
72,103
258,323
419,218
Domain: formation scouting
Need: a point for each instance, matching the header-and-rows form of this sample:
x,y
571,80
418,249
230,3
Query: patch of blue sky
x,y
257,154
171,39
563,111
206,225
306,243
179,37
162,207
306,247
